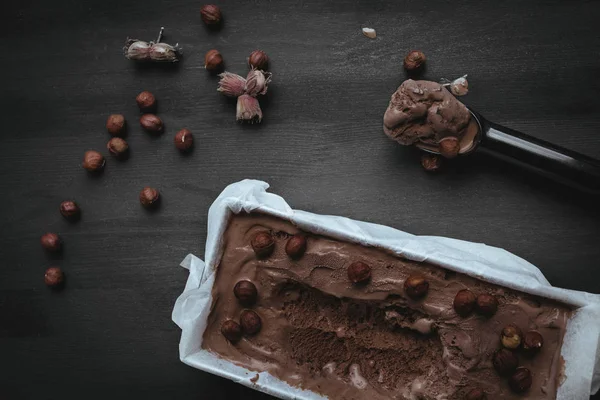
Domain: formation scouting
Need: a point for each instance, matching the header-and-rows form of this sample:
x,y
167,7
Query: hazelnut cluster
x,y
465,302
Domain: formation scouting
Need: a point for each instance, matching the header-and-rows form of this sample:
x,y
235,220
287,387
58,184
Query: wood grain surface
x,y
533,66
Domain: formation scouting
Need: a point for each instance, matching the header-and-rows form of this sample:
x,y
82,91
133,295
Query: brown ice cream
x,y
370,340
424,113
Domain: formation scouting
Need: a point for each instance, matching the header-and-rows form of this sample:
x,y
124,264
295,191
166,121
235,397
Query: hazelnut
x,y
149,197
532,342
505,361
464,302
70,210
296,246
416,286
250,322
246,292
231,330
449,147
51,242
146,102
211,14
486,305
511,336
54,277
117,147
115,124
93,161
521,380
151,123
263,244
184,140
359,272
431,162
213,60
414,61
476,394
259,60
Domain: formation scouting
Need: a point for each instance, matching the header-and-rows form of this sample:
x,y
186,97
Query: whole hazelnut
x,y
511,336
464,302
431,162
250,322
263,244
146,102
231,330
296,246
51,242
213,60
54,277
416,286
184,140
449,147
414,61
149,197
505,362
117,147
476,394
151,123
359,272
259,60
533,342
115,124
246,292
521,380
211,14
70,210
93,161
486,305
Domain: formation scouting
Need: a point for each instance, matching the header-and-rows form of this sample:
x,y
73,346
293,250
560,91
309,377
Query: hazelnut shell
x,y
146,102
259,60
246,292
520,381
213,61
211,14
533,341
149,197
51,242
431,162
296,246
184,140
54,277
486,305
115,124
359,272
263,244
414,61
505,362
117,147
93,161
231,330
449,147
70,210
151,123
250,322
464,302
416,287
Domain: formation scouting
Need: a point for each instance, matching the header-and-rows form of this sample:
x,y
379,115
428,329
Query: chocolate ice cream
x,y
425,113
373,338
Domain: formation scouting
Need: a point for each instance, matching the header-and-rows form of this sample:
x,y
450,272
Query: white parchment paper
x,y
581,348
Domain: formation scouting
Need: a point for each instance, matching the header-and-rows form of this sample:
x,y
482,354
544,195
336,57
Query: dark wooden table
x,y
532,66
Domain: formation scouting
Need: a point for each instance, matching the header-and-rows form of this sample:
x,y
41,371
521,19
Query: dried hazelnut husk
x,y
511,336
486,305
257,82
505,362
431,162
476,394
359,272
532,342
296,246
70,210
464,302
115,124
118,147
54,277
231,85
149,197
258,60
449,147
213,60
146,102
184,140
248,109
263,244
414,61
210,14
231,330
51,242
521,380
416,286
246,292
151,123
250,322
93,161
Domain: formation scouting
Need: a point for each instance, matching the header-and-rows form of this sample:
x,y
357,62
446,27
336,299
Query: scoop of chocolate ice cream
x,y
425,112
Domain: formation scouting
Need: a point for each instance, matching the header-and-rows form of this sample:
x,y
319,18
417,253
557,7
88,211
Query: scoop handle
x,y
562,165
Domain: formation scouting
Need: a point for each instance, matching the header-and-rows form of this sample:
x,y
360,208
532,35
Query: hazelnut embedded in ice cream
x,y
532,342
359,272
505,361
521,380
486,305
245,291
231,330
263,244
464,302
416,286
511,336
250,322
296,246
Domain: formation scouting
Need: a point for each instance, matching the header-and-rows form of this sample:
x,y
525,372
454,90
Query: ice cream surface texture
x,y
371,340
